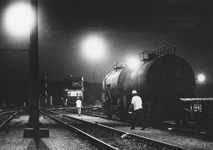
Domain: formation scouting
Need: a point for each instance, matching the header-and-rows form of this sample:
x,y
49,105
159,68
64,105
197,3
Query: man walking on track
x,y
137,107
78,106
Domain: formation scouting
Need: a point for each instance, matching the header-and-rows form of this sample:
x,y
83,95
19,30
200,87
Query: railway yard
x,y
106,75
92,130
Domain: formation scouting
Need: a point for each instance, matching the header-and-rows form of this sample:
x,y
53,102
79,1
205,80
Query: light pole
x,y
94,47
34,69
36,132
22,18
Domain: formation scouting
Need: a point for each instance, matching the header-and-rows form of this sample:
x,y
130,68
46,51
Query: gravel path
x,y
11,138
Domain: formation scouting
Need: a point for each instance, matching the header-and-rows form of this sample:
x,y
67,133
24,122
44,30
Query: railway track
x,y
6,116
66,121
187,130
106,136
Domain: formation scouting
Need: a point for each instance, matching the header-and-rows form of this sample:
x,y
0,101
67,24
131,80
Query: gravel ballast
x,y
173,138
11,137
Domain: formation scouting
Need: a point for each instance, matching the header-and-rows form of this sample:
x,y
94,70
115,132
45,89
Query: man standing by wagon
x,y
78,106
137,107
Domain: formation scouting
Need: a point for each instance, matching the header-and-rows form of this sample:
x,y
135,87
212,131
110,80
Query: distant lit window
x,y
77,84
74,93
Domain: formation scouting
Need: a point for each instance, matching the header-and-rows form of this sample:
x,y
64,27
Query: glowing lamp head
x,y
201,78
19,19
133,63
94,47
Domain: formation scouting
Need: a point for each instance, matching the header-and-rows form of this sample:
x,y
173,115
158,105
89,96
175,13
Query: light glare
x,y
133,63
94,47
201,77
19,19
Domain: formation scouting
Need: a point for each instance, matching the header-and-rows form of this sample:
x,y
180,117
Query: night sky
x,y
126,26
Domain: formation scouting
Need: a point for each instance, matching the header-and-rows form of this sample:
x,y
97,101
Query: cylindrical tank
x,y
166,77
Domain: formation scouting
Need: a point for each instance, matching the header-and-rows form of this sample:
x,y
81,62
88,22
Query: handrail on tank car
x,y
106,76
150,55
115,66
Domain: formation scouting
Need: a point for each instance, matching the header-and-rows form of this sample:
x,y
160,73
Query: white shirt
x,y
78,103
137,102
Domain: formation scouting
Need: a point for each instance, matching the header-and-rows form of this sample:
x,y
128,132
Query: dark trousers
x,y
138,118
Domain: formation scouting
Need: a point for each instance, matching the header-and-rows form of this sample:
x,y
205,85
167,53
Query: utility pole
x,y
34,132
34,68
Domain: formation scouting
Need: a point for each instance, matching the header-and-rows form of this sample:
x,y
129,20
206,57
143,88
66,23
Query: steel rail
x,y
151,142
7,112
174,129
7,120
148,141
94,141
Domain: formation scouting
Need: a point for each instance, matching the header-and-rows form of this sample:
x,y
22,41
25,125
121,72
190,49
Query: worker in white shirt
x,y
79,105
137,107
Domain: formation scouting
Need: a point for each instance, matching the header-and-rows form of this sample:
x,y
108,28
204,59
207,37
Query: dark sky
x,y
127,27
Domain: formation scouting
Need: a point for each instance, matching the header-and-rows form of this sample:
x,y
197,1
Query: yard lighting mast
x,y
20,19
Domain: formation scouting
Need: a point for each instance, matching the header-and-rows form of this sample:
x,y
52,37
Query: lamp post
x,y
19,20
93,47
34,69
36,132
22,18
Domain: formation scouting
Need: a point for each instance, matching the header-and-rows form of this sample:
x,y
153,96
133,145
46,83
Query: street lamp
x,y
19,19
201,78
94,47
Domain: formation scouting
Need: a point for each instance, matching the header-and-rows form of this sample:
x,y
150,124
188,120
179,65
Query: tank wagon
x,y
161,79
